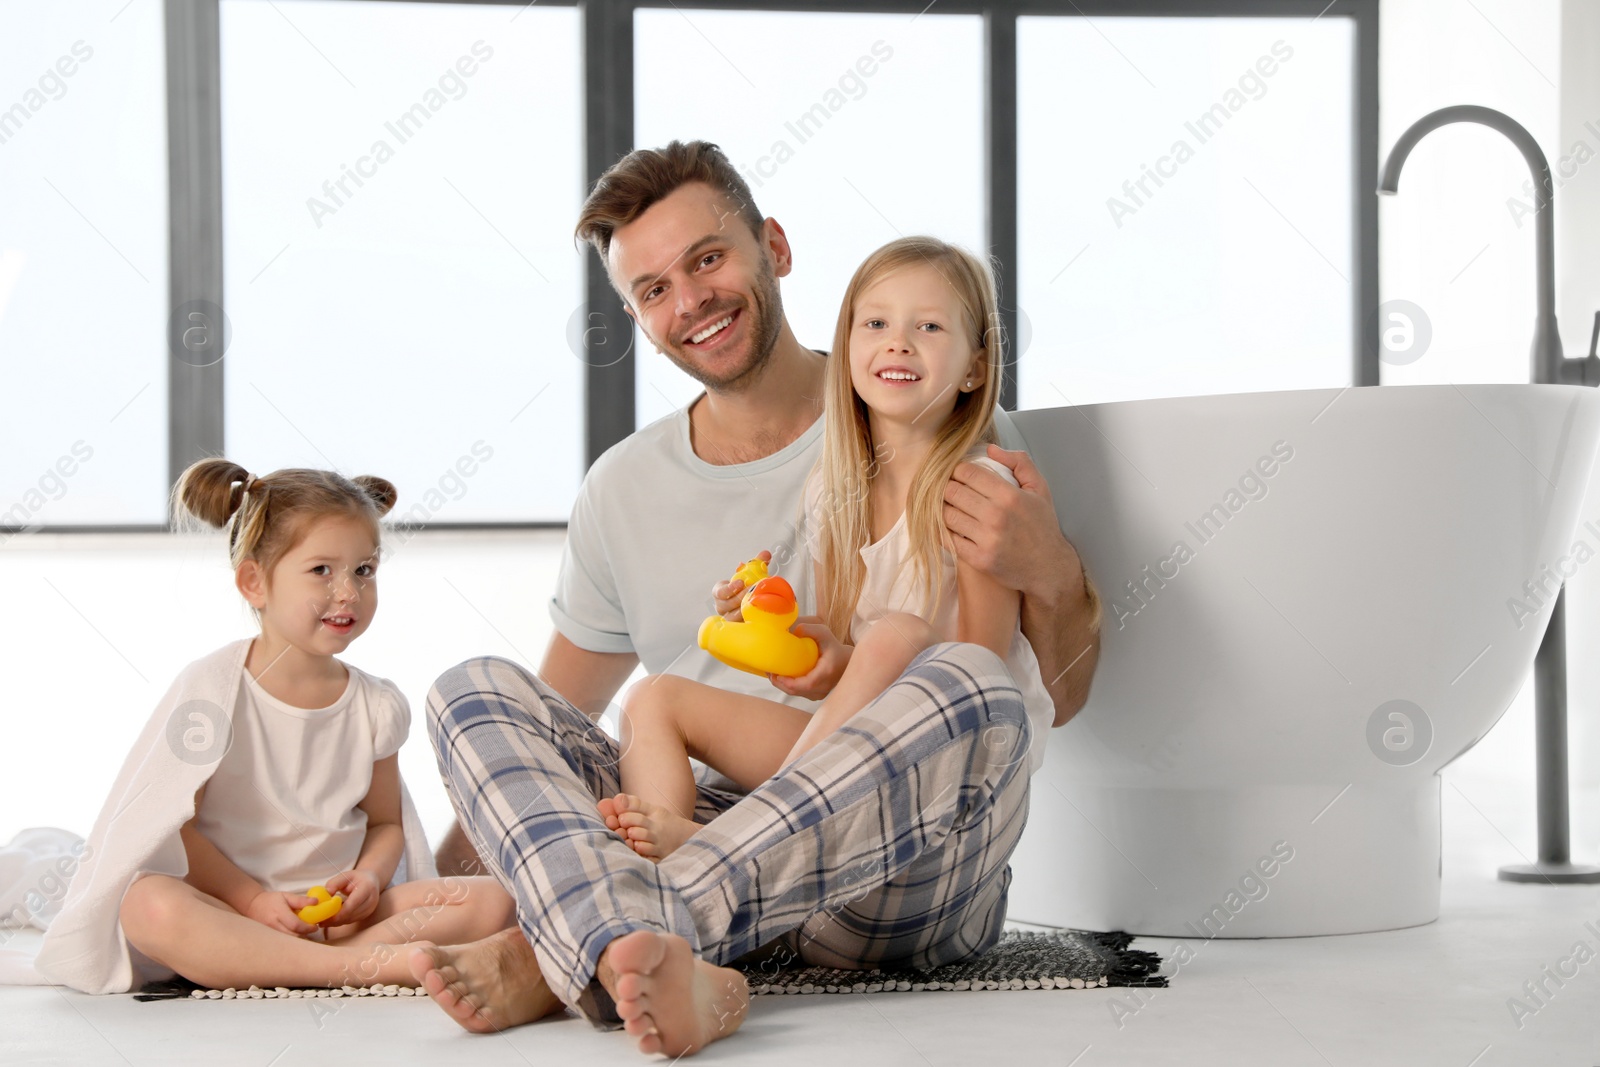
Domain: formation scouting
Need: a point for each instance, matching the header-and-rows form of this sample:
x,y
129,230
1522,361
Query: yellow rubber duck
x,y
327,906
762,643
751,571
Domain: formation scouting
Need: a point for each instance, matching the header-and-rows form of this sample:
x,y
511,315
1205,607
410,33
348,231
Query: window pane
x,y
859,129
400,269
1184,205
83,264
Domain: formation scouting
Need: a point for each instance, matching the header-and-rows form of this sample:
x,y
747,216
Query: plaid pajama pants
x,y
887,843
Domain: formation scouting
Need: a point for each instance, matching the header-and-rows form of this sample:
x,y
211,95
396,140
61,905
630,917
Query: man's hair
x,y
647,175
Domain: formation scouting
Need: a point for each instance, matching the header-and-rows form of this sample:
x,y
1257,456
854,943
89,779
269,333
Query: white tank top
x,y
890,587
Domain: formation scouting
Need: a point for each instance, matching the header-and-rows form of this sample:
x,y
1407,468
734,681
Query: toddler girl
x,y
270,767
911,388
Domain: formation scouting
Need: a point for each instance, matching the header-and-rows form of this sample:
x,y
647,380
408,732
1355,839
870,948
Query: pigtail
x,y
210,491
380,491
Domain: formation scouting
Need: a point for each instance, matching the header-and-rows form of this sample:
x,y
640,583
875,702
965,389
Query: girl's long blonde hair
x,y
849,456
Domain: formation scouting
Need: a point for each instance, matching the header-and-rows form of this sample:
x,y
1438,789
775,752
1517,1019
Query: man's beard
x,y
765,312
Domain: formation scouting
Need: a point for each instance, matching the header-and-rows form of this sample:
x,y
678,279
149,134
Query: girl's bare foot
x,y
486,986
608,812
379,964
652,830
672,1002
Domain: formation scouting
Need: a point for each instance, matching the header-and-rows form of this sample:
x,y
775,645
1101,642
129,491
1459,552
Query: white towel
x,y
137,831
35,870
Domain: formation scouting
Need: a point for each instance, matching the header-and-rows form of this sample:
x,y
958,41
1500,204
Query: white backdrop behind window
x,y
851,130
83,264
400,269
1229,269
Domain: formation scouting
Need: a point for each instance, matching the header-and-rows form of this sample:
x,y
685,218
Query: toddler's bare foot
x,y
654,831
486,986
608,812
673,1003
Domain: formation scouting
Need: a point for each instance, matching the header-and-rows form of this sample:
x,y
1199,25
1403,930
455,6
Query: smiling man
x,y
886,843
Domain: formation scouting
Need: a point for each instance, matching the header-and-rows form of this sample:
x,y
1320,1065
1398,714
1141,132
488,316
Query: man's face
x,y
702,287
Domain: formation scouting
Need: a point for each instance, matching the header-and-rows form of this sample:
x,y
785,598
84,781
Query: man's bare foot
x,y
486,986
654,831
672,1002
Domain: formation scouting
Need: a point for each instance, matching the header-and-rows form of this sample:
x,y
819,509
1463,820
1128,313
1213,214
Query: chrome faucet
x,y
1549,367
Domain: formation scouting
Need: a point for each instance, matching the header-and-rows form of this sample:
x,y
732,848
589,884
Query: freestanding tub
x,y
1314,601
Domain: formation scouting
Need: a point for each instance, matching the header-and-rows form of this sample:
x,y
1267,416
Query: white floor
x,y
95,627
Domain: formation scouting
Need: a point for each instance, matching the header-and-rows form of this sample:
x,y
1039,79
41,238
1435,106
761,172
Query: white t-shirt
x,y
891,585
654,526
282,801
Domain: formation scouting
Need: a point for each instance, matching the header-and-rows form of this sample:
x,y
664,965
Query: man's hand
x,y
360,890
1009,532
277,911
727,594
832,658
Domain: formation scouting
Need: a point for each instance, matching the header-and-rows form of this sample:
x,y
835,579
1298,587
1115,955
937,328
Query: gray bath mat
x,y
1062,959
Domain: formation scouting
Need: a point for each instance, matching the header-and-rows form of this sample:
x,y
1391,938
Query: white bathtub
x,y
1239,770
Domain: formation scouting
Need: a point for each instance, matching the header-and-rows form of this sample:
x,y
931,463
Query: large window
x,y
399,264
389,189
83,265
860,129
1185,206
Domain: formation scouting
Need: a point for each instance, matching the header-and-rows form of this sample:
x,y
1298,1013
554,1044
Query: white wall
x,y
1578,216
1577,300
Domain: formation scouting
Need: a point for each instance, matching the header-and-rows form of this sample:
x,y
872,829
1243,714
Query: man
x,y
886,843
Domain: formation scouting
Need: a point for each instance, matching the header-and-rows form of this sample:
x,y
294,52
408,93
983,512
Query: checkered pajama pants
x,y
886,844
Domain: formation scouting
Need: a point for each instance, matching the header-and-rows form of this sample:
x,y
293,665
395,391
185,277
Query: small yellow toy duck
x,y
327,906
762,643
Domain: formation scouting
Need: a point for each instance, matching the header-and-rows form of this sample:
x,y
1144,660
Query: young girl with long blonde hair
x,y
911,389
270,767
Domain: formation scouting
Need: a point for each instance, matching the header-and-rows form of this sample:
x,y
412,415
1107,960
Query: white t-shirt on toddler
x,y
282,802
